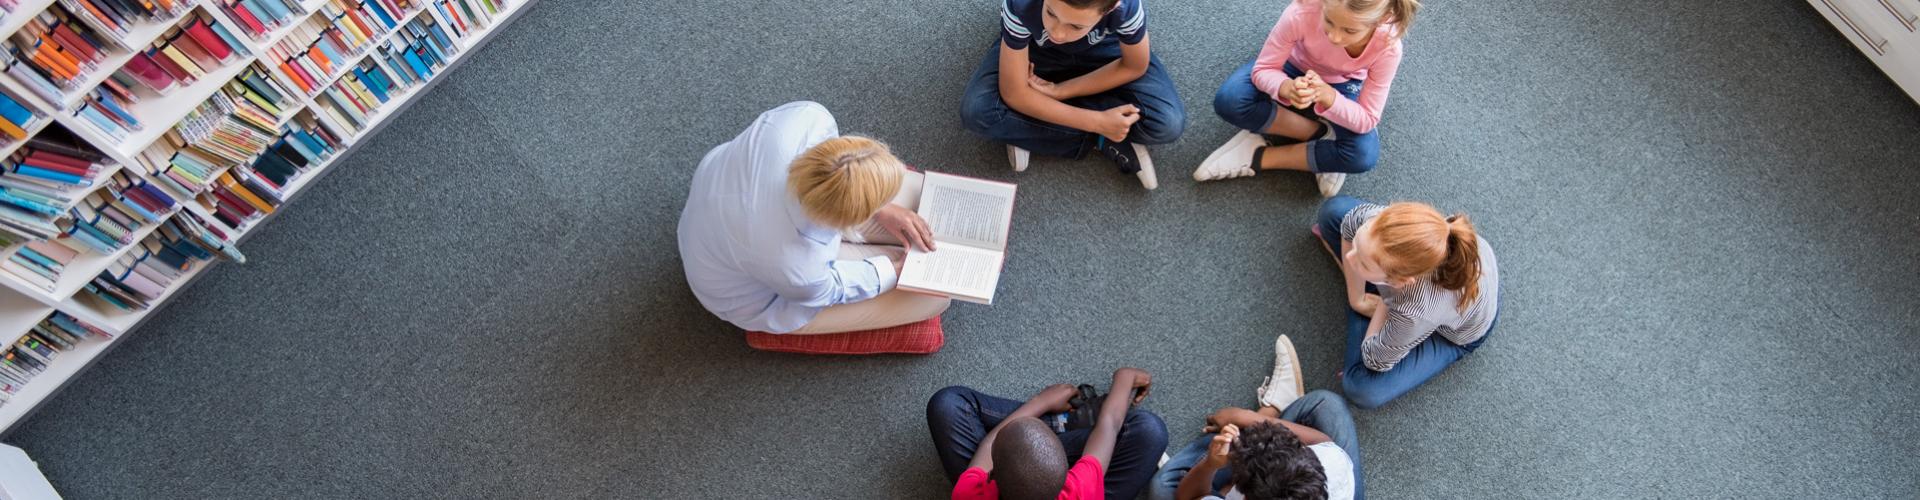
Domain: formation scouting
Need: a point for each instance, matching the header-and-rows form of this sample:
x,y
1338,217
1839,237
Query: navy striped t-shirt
x,y
1022,27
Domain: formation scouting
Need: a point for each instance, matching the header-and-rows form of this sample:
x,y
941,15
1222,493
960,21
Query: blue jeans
x,y
1370,389
1245,106
1322,410
960,417
1162,117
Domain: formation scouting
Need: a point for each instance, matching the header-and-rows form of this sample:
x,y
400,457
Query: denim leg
x,y
1136,451
1370,389
1347,152
1163,118
983,112
1136,455
1326,412
1333,212
1350,361
958,418
1243,105
1166,483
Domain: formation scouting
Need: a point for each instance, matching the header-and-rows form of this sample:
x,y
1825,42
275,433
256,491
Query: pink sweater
x,y
1298,38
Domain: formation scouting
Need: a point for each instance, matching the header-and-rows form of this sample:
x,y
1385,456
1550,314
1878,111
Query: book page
x,y
964,272
967,211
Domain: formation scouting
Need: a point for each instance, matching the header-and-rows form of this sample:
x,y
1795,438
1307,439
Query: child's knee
x,y
1166,126
1334,210
1239,108
1363,395
1358,156
981,113
1147,428
948,398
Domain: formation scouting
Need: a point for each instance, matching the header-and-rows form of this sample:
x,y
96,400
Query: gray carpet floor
x,y
1703,212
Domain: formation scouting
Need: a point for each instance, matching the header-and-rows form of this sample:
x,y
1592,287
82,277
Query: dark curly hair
x,y
1270,463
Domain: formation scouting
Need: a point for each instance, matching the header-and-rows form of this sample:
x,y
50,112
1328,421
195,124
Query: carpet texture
x,y
1704,215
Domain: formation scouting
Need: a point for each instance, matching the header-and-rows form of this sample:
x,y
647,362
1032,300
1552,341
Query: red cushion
x,y
924,337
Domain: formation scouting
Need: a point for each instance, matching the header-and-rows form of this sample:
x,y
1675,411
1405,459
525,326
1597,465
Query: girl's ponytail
x,y
1460,270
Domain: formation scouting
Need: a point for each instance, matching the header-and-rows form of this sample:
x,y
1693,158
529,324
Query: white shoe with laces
x,y
1285,385
1230,160
1019,158
1146,175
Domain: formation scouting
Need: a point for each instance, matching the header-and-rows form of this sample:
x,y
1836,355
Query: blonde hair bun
x,y
842,181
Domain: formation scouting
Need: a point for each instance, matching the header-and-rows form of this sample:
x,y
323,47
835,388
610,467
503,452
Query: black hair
x,y
1270,463
1103,5
1028,460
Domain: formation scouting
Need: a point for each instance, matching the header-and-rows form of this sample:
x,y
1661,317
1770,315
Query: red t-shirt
x,y
1085,481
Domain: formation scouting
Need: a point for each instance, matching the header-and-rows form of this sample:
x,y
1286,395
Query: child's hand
x,y
1044,87
1058,397
1219,450
1289,93
1323,95
1114,123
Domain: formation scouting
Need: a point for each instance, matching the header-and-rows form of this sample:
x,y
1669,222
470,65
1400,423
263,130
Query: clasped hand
x,y
1307,90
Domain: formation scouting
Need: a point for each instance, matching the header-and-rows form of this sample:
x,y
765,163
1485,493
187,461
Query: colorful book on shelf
x,y
108,112
147,272
40,263
228,126
259,18
39,346
312,54
52,53
42,179
182,54
108,219
15,117
119,17
245,193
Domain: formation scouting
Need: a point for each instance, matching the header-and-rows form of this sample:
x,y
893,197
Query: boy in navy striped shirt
x,y
1069,77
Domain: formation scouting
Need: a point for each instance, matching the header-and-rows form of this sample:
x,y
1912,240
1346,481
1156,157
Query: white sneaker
x,y
1019,158
1285,385
1230,160
1330,183
1147,177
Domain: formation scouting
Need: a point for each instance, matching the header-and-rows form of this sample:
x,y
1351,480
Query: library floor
x,y
1704,215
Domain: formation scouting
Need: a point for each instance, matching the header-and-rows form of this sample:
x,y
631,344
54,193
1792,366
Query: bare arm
x,y
1199,480
1113,413
1357,296
1131,65
1053,398
1241,417
1198,483
1015,70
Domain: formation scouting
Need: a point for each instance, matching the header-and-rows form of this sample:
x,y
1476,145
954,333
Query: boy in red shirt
x,y
993,447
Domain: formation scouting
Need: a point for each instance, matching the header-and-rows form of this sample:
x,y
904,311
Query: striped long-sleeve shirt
x,y
1423,309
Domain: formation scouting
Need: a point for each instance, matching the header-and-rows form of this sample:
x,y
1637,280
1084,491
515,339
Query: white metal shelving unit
x,y
23,304
1887,31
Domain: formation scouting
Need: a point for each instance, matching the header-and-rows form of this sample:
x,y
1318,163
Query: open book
x,y
970,219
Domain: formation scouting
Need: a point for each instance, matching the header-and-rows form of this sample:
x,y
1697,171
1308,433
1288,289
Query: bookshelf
x,y
1886,31
28,308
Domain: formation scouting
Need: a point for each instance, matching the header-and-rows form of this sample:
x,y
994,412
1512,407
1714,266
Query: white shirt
x,y
1333,461
752,256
